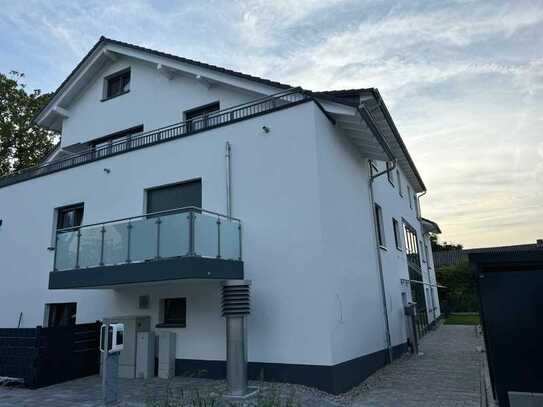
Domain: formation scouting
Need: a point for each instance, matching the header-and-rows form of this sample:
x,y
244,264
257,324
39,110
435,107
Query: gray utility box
x,y
166,355
127,357
145,355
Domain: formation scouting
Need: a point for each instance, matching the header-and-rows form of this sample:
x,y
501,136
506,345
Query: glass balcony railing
x,y
151,237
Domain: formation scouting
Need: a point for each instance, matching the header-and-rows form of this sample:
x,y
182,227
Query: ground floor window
x,y
61,314
173,312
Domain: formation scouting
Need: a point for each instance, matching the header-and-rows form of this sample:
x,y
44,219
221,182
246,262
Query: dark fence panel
x,y
17,352
510,287
45,356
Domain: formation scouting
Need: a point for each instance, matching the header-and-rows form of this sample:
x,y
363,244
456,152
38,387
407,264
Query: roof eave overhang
x,y
106,51
357,124
384,120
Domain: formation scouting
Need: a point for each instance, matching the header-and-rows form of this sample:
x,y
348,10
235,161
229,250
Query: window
x,y
61,314
175,196
390,174
397,240
117,84
115,142
411,247
400,189
423,252
409,197
174,312
416,204
198,117
379,225
69,216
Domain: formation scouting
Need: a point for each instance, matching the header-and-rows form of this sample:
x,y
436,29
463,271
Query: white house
x,y
285,187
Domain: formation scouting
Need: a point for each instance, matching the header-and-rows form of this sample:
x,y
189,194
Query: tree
x,y
436,246
22,143
460,294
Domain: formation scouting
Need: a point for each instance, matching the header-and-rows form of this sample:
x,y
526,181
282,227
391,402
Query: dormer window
x,y
117,84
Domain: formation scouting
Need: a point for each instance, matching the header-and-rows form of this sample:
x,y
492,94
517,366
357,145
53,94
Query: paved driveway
x,y
446,375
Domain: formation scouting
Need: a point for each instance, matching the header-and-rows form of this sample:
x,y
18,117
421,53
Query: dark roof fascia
x,y
375,93
509,260
199,64
69,77
105,40
375,130
339,97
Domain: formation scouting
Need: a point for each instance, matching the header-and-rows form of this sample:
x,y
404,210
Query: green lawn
x,y
463,319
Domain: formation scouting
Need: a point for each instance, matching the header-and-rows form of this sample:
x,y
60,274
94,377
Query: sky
x,y
463,79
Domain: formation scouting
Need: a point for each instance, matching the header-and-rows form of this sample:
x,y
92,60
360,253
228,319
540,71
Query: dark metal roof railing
x,y
231,115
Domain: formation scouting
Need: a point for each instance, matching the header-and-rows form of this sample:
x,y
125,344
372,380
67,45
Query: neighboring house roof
x,y
105,50
453,257
430,226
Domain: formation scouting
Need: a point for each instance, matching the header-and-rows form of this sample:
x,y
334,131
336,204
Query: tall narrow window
x,y
400,189
117,84
409,197
380,226
397,240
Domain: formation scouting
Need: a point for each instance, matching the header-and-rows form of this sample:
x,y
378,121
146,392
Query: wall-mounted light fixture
x,y
265,129
107,170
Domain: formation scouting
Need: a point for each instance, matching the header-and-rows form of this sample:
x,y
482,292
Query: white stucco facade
x,y
301,191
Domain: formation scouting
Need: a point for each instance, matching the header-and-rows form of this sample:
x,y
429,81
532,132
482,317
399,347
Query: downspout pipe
x,y
419,214
228,156
379,259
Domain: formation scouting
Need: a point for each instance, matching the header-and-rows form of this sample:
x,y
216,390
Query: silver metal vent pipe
x,y
235,308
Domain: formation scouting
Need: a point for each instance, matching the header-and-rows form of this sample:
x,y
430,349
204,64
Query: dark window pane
x,y
70,216
175,196
118,84
63,314
175,311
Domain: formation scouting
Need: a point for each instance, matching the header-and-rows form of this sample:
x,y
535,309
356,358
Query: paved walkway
x,y
447,375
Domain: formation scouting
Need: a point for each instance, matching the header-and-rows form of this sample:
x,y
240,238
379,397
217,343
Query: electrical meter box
x,y
133,324
114,333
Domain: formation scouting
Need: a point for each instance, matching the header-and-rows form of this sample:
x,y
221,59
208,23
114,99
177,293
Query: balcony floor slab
x,y
178,268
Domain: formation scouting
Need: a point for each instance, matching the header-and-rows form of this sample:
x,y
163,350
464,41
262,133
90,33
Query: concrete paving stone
x,y
447,375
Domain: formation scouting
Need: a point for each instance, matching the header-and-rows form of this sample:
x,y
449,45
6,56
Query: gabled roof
x,y
366,104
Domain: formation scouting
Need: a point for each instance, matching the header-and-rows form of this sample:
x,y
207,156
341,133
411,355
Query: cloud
x,y
463,79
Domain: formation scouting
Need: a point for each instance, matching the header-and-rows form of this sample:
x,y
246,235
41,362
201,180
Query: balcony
x,y
268,104
185,243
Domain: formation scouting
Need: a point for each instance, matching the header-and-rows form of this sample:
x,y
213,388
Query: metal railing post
x,y
102,232
129,227
239,235
218,238
55,253
191,234
77,250
158,222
